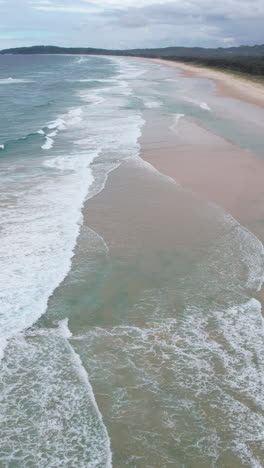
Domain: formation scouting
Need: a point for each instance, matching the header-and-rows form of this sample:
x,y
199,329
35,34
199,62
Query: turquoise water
x,y
131,336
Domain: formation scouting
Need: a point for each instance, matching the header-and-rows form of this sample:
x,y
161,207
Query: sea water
x,y
120,345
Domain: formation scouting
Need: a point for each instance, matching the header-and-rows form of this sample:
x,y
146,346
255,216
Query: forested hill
x,y
244,59
55,50
257,50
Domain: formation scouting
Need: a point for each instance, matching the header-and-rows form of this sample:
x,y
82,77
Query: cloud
x,y
66,9
131,23
65,6
195,22
202,11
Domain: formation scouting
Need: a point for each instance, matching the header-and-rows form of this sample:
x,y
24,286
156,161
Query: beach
x,y
227,83
188,201
222,179
146,347
217,170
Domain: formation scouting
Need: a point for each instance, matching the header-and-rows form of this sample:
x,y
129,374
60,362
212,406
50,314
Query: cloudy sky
x,y
131,23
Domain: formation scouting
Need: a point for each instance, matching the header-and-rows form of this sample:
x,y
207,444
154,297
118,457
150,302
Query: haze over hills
x,y
243,59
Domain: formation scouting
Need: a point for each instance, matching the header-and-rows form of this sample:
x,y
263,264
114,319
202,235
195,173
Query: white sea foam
x,y
2,147
253,257
93,98
71,163
48,143
64,415
172,80
97,240
53,134
128,71
42,229
72,118
176,119
44,222
202,353
63,329
239,245
14,81
142,163
82,59
85,379
152,104
204,106
58,124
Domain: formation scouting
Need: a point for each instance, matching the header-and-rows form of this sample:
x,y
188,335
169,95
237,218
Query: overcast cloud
x,y
131,23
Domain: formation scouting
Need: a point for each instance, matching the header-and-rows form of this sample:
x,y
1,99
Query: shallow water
x,y
149,353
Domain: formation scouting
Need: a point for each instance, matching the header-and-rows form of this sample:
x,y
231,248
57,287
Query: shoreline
x,y
139,333
190,163
227,84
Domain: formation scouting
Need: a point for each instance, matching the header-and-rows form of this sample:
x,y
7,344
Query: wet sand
x,y
136,218
205,163
209,166
157,233
227,85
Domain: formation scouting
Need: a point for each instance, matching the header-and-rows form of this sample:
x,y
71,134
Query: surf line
x,y
83,375
176,119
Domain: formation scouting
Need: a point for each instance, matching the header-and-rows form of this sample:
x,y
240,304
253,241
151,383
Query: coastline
x,y
220,179
149,225
232,179
227,84
140,333
167,150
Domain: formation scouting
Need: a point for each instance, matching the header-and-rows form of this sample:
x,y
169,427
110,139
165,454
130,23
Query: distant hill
x,y
257,50
53,50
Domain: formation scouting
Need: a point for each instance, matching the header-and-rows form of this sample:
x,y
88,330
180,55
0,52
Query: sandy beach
x,y
158,216
233,177
207,164
227,84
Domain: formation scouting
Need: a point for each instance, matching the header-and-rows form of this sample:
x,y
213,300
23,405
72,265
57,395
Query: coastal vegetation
x,y
249,65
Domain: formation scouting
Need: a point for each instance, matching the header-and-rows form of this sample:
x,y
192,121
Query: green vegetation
x,y
243,65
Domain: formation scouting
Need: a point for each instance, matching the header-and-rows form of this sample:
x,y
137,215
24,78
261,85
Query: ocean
x,y
131,331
